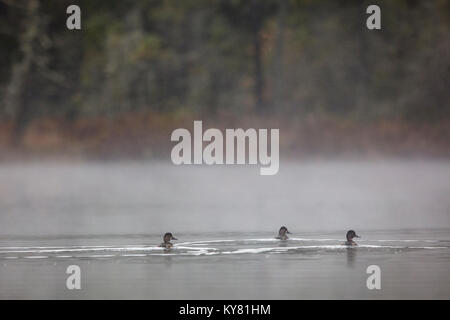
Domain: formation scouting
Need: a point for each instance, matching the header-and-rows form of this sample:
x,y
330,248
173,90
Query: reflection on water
x,y
283,243
168,261
351,255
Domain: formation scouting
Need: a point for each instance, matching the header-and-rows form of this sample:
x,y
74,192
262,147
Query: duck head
x,y
169,236
283,231
351,234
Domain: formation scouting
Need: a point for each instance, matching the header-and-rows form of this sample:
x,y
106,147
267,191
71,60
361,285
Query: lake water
x,y
108,219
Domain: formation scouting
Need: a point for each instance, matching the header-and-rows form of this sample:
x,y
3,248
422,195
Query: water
x,y
108,218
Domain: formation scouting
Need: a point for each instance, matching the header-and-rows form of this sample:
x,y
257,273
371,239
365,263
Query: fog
x,y
107,198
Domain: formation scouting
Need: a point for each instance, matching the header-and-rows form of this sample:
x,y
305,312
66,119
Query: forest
x,y
139,69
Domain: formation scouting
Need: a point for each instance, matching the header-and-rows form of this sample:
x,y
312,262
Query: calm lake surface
x,y
108,219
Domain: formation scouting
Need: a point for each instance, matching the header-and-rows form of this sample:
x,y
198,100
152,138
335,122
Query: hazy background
x,y
363,115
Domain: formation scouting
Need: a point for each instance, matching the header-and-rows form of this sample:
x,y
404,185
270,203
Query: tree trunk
x,y
278,98
14,98
259,80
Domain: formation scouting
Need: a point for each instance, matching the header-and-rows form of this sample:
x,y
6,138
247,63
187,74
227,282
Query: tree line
x,y
213,57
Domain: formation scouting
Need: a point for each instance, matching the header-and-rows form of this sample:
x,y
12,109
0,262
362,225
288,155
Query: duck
x,y
282,234
166,241
350,235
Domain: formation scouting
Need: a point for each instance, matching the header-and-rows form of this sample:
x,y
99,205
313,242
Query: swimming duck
x,y
350,235
167,244
282,234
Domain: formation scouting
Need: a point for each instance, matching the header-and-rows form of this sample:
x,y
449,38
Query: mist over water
x,y
98,198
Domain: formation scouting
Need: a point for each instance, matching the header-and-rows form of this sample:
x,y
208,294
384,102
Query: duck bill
x,y
173,238
356,236
288,232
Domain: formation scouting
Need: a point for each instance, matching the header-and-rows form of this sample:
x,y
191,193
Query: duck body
x,y
166,245
282,234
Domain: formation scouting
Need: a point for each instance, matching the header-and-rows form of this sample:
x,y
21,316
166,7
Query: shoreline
x,y
147,136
